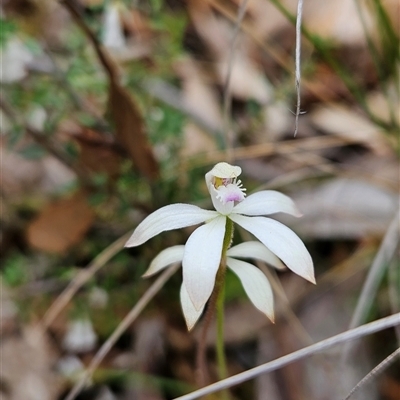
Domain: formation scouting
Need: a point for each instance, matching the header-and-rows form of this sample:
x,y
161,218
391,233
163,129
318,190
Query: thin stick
x,y
377,370
122,327
220,348
298,53
363,330
83,277
375,274
201,364
227,93
394,291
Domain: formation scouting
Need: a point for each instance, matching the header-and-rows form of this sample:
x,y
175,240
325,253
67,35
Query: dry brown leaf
x,y
20,175
97,154
338,20
130,130
347,123
129,125
247,80
27,367
61,224
201,99
324,84
343,208
136,23
390,388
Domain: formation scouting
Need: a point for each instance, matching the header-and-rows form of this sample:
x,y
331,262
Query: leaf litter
x,y
348,192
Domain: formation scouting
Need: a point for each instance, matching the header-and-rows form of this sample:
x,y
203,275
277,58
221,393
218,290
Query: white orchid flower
x,y
203,250
254,282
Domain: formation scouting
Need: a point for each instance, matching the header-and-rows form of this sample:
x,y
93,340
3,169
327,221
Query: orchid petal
x,y
255,284
257,251
189,311
282,241
170,217
266,202
201,260
165,258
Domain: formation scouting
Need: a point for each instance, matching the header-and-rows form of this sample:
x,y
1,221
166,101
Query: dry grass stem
x,y
227,93
122,327
298,54
375,275
376,371
352,334
83,277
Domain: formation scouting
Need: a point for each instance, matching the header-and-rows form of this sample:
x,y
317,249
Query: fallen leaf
x,y
61,225
201,99
390,388
343,208
27,367
97,153
21,175
324,84
339,20
339,120
247,80
129,124
130,130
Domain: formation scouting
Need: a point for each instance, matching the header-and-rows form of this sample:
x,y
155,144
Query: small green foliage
x,y
15,270
156,5
253,108
233,288
7,31
164,123
32,151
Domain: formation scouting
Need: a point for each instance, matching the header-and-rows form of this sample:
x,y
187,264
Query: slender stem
x,y
216,302
201,365
228,138
367,329
220,289
221,359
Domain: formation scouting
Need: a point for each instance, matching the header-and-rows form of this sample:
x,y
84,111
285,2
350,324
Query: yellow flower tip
x,y
224,170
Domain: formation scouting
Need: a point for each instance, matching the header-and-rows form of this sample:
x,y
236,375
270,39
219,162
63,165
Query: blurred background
x,y
112,109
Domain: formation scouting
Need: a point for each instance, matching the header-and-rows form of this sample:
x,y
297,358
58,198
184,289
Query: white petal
x,y
255,284
170,217
282,241
165,258
266,202
255,250
201,260
189,312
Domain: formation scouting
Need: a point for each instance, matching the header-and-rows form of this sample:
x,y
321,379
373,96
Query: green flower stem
x,y
220,349
220,289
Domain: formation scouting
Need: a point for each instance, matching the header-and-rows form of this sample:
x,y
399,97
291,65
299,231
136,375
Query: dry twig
x,y
352,334
124,324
